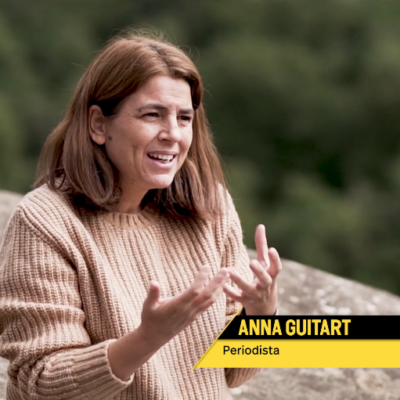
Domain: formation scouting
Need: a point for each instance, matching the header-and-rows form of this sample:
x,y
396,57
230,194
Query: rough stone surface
x,y
8,201
3,377
303,291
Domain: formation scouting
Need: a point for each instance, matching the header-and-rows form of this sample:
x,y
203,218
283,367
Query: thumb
x,y
153,295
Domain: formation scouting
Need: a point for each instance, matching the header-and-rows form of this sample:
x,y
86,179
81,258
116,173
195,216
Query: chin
x,y
162,183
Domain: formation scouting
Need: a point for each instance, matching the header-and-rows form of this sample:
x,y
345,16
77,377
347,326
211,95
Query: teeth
x,y
162,156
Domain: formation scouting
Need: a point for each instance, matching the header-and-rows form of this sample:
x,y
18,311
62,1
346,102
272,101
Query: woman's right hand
x,y
162,319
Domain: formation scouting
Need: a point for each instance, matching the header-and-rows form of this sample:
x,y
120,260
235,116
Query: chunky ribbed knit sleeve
x,y
42,323
235,255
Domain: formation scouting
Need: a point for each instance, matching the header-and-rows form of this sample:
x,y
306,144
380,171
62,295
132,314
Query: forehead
x,y
162,89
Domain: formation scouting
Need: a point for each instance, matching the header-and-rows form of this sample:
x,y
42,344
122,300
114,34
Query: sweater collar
x,y
132,221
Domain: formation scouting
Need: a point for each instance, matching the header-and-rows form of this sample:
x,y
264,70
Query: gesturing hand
x,y
162,319
261,296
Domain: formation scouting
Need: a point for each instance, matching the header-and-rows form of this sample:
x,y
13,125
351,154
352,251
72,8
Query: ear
x,y
97,125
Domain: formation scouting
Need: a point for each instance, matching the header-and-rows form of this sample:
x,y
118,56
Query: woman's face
x,y
148,140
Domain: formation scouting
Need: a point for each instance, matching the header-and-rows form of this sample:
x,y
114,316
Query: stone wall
x,y
8,201
303,291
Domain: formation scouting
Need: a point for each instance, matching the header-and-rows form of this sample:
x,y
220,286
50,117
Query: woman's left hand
x,y
261,296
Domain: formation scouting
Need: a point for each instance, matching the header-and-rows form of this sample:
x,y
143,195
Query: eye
x,y
185,118
151,115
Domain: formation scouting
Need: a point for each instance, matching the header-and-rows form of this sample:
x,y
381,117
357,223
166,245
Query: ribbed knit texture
x,y
71,282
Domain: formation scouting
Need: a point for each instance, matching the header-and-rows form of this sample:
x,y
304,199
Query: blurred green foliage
x,y
303,98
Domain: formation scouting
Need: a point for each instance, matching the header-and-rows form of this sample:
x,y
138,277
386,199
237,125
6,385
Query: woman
x,y
112,271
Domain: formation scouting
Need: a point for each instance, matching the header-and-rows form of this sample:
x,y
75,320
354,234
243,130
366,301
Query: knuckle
x,y
207,296
195,292
268,278
260,286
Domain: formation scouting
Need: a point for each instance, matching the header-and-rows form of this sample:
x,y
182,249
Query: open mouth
x,y
163,158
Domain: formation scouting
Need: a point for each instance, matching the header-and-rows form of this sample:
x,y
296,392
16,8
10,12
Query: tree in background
x,y
303,98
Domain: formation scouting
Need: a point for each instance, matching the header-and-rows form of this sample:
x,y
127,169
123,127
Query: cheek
x,y
120,145
119,152
189,140
187,145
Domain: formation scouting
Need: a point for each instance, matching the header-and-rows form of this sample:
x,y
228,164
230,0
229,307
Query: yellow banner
x,y
297,353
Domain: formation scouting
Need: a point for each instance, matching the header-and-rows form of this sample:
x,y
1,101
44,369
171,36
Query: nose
x,y
171,131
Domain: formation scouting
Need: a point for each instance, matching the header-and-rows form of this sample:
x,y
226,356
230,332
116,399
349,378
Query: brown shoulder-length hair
x,y
71,162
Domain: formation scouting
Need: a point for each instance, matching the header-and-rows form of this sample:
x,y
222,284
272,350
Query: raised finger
x,y
246,287
276,263
261,273
260,240
153,295
209,294
218,281
198,284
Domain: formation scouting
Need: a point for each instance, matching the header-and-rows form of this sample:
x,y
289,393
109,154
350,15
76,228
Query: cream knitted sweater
x,y
71,282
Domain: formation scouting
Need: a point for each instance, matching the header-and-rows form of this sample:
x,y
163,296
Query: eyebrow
x,y
157,106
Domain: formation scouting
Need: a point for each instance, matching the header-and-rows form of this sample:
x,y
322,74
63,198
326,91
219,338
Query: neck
x,y
130,200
